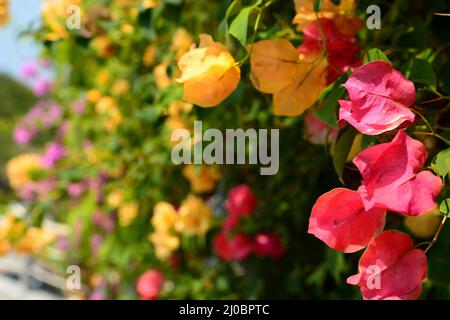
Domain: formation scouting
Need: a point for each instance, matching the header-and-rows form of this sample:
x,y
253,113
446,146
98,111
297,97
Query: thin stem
x,y
255,31
437,234
424,120
433,134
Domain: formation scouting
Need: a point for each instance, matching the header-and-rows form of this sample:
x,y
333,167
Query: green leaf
x,y
374,55
239,26
328,101
444,207
328,110
317,5
232,10
341,150
421,71
441,163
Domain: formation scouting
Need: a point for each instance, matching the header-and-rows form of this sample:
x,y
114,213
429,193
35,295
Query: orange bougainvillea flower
x,y
209,73
294,79
203,179
305,11
4,12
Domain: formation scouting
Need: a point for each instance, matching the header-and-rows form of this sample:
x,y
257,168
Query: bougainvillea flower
x,y
268,244
294,79
203,179
150,284
209,73
391,269
392,176
241,201
342,49
237,247
54,152
164,216
194,216
305,11
316,131
339,219
380,97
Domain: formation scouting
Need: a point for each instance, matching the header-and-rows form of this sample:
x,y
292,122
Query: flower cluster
x,y
393,179
231,244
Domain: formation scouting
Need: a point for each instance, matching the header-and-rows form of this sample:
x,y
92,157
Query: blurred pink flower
x,y
76,189
29,70
23,136
316,131
53,153
42,87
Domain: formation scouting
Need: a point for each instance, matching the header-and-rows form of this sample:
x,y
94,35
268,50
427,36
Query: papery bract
x,y
339,219
209,73
342,49
268,244
328,9
241,201
294,80
236,247
317,132
392,176
380,97
391,269
150,284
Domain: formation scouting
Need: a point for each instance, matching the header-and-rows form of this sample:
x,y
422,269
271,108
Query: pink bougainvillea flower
x,y
150,284
269,244
23,136
42,87
54,152
237,247
339,219
29,70
380,97
392,177
343,50
391,269
241,201
316,131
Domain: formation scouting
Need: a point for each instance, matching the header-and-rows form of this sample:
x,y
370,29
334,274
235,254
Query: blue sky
x,y
15,52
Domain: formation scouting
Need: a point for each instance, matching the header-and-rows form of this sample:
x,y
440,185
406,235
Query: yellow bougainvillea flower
x,y
150,4
305,11
182,41
179,107
194,217
18,169
103,46
162,79
149,56
165,244
54,16
93,95
35,240
294,79
127,213
115,198
209,73
203,179
120,87
107,106
103,78
4,12
164,217
423,226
